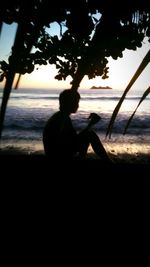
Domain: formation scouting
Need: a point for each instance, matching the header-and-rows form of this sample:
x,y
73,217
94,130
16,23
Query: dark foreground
x,y
32,187
33,168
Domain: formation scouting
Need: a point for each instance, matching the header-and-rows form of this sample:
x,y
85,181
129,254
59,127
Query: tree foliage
x,y
131,117
87,42
83,49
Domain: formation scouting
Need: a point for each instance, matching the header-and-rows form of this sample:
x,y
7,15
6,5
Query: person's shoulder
x,y
54,116
54,120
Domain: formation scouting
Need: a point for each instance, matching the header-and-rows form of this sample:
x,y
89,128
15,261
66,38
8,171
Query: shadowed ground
x,y
35,167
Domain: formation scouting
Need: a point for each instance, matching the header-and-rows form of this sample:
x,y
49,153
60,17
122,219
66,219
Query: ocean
x,y
28,110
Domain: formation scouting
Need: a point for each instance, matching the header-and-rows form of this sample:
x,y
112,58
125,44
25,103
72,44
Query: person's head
x,y
69,101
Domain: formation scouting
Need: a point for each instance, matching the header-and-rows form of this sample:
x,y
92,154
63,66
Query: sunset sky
x,y
120,70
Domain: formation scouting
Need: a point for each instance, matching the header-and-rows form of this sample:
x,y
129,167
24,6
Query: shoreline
x,y
121,153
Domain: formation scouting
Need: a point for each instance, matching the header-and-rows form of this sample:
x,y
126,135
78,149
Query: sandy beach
x,y
29,166
122,150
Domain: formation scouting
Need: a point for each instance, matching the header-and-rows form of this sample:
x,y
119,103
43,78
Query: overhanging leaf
x,y
141,67
17,82
142,98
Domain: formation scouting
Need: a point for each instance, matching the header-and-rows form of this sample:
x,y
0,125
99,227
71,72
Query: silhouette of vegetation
x,y
143,64
82,49
141,100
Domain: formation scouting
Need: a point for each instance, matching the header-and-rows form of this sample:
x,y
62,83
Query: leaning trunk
x,y
19,39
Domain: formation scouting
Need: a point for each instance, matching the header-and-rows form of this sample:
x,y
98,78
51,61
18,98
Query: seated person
x,y
60,139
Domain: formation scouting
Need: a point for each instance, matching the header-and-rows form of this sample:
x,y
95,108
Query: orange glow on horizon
x,y
120,73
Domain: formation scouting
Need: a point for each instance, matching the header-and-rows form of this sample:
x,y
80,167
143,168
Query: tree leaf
x,y
141,67
142,98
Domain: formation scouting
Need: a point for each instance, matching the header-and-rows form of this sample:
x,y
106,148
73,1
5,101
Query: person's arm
x,y
93,119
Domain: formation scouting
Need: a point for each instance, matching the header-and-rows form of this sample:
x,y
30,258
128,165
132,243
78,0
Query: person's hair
x,y
67,98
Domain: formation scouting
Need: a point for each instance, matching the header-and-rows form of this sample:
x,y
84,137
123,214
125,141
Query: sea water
x,y
29,109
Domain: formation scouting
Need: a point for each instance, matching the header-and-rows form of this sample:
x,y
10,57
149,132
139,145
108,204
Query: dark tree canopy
x,y
87,42
83,48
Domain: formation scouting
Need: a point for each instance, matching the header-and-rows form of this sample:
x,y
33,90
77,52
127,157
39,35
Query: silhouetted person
x,y
60,139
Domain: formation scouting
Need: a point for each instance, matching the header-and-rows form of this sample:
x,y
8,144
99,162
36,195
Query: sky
x,y
120,70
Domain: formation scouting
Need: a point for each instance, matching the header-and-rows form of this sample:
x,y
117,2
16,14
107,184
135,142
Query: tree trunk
x,y
6,94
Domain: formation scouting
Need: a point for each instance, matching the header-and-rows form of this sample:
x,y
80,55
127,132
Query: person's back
x,y
59,137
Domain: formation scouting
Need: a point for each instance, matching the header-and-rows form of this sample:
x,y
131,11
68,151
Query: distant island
x,y
100,87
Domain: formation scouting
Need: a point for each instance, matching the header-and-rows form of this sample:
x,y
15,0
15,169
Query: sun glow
x,y
42,77
122,70
120,73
